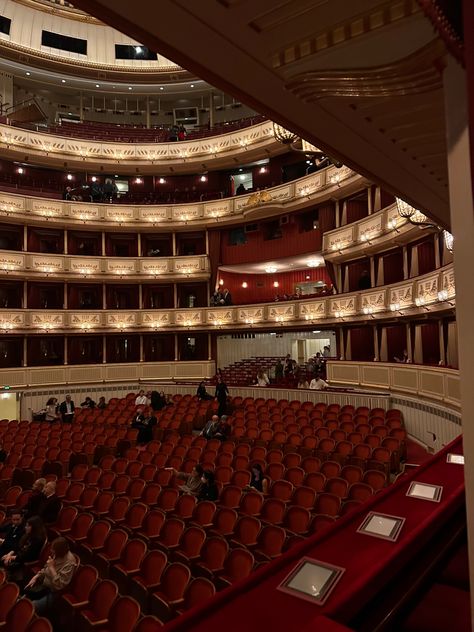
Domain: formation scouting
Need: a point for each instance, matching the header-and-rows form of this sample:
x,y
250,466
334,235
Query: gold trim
x,y
70,13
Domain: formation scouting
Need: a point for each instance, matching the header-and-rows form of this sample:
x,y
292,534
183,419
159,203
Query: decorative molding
x,y
375,304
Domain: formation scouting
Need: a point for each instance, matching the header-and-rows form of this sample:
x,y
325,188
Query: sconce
x,y
335,179
7,326
244,142
280,320
365,239
369,311
305,192
395,307
443,297
249,321
393,225
339,315
420,302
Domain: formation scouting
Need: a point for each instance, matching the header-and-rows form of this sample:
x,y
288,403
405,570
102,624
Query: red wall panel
x,y
260,286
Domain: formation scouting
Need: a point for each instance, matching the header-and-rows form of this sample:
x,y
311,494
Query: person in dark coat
x,y
144,423
88,403
209,489
202,393
36,500
66,410
157,401
11,533
51,506
221,395
29,550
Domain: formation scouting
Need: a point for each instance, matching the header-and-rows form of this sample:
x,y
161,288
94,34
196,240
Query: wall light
x,y
221,281
69,177
244,284
395,307
263,170
276,284
203,178
20,170
138,181
94,179
162,181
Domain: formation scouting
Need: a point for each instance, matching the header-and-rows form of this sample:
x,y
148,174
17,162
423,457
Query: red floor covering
x,y
255,605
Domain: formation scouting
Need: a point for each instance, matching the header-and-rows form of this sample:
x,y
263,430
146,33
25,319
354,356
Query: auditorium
x,y
236,254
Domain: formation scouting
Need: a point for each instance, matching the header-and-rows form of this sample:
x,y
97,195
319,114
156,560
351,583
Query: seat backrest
x,y
224,520
171,531
148,624
185,506
271,540
19,616
99,532
192,540
251,503
174,580
8,596
214,552
40,625
204,512
198,591
83,581
124,614
152,566
102,597
81,525
133,554
273,510
115,543
239,564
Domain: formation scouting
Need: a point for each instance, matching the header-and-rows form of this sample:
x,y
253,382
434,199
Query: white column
x,y
462,227
338,216
377,199
370,210
406,271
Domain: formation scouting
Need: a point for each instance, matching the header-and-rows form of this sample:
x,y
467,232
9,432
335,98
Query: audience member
x,y
29,549
11,533
221,395
288,368
144,424
141,399
216,299
279,370
66,409
110,189
201,392
157,400
223,429
258,480
210,428
88,403
303,383
193,481
226,297
318,384
51,505
51,410
102,403
241,190
326,351
404,358
36,500
209,489
56,575
262,379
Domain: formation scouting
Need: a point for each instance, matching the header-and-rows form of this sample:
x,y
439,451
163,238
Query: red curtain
x,y
386,198
426,256
214,238
158,296
430,343
393,267
356,209
158,347
396,341
362,344
326,218
354,270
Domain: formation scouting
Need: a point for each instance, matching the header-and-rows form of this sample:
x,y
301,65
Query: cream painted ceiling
x,y
361,79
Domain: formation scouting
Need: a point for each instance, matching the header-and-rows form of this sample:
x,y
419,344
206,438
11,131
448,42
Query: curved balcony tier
x,y
216,152
307,191
68,267
433,292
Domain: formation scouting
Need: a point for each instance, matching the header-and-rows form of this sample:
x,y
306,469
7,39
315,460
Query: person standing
x,y
226,297
36,500
221,395
66,410
51,506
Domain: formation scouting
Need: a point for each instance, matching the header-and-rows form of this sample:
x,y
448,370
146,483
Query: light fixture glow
x,y
69,177
244,284
203,178
271,269
312,263
161,180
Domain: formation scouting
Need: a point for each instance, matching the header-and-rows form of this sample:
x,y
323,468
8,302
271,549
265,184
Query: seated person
x,y
262,379
51,505
29,549
201,392
211,427
36,500
66,410
141,399
223,429
56,575
193,481
11,533
102,403
209,490
144,423
279,370
258,481
88,403
157,400
318,384
303,383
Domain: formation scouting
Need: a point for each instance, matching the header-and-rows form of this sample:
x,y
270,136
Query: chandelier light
x,y
284,135
413,215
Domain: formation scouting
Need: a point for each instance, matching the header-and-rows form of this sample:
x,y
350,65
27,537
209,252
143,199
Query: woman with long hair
x,y
29,549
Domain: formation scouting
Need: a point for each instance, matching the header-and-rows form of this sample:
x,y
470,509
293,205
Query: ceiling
x,y
288,264
363,80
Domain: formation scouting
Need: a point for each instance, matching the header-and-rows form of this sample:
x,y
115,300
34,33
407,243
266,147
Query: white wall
x,y
232,349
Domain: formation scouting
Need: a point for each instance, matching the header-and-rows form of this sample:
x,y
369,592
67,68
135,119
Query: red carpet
x,y
416,454
442,608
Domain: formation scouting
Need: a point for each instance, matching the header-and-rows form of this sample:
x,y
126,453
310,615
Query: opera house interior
x,y
236,254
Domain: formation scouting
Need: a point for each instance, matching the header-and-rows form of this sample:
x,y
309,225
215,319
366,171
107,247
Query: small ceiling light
x,y
63,80
129,87
138,50
138,181
244,284
203,178
192,85
317,331
263,170
69,176
97,85
312,263
94,179
115,176
161,88
271,269
28,74
20,170
161,180
240,169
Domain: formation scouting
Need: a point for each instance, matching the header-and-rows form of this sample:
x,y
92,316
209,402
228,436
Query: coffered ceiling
x,y
362,80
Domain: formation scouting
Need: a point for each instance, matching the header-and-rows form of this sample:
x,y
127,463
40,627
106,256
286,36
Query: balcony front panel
x,y
55,267
376,233
245,145
411,299
301,193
